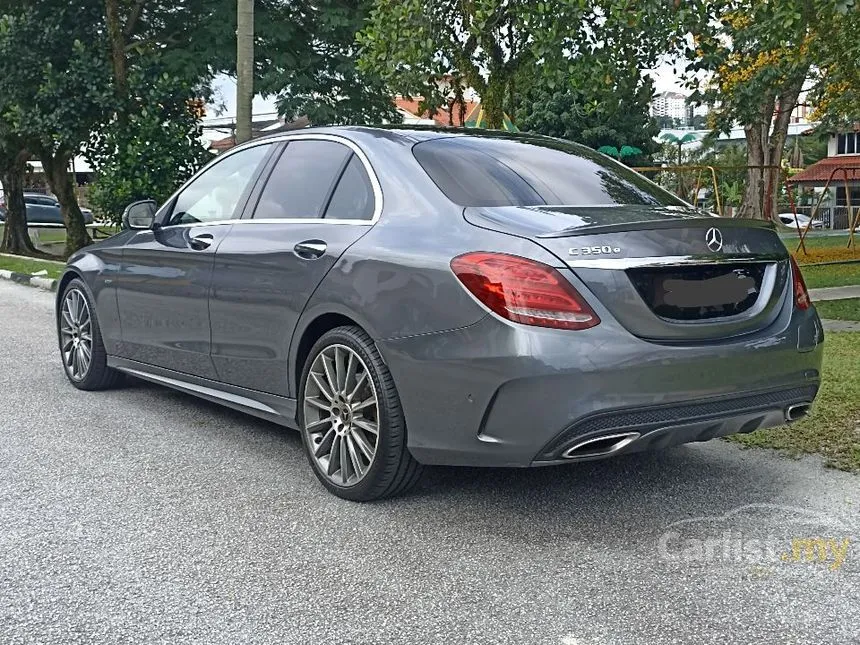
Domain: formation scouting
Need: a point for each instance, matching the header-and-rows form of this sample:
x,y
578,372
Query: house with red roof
x,y
454,115
839,172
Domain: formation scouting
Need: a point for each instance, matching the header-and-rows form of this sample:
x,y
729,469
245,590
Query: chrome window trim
x,y
622,264
371,173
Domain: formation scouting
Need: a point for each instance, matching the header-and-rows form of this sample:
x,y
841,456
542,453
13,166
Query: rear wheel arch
x,y
310,335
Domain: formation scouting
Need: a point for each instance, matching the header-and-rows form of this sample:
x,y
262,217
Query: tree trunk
x,y
765,149
117,45
493,101
16,238
244,68
752,204
57,171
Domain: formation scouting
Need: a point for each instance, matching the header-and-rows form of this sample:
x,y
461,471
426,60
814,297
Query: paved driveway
x,y
146,516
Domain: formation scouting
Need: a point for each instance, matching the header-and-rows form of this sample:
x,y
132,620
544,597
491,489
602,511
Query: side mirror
x,y
139,215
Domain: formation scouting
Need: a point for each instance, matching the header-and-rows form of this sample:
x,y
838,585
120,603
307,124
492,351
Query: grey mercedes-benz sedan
x,y
407,297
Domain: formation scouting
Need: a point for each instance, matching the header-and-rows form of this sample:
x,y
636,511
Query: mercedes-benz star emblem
x,y
714,239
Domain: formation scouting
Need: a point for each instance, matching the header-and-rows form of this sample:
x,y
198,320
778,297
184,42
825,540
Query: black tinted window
x,y
532,172
302,179
41,201
353,197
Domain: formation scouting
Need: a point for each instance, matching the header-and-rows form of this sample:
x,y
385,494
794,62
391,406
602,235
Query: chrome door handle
x,y
201,241
310,249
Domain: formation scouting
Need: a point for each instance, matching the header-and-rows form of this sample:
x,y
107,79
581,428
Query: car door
x,y
42,210
163,285
320,197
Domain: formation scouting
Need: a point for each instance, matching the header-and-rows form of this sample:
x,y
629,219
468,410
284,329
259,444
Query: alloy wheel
x,y
76,335
341,415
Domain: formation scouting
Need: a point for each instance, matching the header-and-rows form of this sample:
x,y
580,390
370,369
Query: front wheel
x,y
351,419
81,347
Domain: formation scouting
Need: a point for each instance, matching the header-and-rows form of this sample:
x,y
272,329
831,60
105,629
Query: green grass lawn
x,y
817,241
52,240
832,430
46,234
831,275
28,265
848,309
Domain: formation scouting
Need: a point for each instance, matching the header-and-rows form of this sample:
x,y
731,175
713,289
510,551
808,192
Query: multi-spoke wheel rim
x,y
76,335
341,413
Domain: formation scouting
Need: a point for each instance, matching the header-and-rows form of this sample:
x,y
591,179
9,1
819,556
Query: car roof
x,y
405,133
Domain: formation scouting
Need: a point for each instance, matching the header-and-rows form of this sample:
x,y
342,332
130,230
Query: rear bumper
x,y
655,427
500,394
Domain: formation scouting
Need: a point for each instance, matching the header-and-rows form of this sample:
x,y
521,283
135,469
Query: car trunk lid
x,y
665,274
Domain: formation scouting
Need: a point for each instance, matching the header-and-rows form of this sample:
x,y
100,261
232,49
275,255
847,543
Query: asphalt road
x,y
143,515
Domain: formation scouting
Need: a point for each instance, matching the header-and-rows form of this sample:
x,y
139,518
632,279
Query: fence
x,y
836,218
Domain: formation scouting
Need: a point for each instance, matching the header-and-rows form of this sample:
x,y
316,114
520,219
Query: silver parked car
x,y
799,221
407,297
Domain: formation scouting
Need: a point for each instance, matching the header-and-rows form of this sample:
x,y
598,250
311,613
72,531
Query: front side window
x,y
214,196
301,183
523,171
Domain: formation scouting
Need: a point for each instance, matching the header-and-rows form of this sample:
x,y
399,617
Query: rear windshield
x,y
476,171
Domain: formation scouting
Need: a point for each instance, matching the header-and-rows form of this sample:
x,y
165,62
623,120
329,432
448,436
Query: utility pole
x,y
244,68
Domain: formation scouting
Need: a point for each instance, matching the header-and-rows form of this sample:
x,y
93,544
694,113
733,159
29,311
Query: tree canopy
x,y
753,60
55,99
612,112
430,47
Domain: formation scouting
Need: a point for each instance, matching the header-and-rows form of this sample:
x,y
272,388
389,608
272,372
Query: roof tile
x,y
820,172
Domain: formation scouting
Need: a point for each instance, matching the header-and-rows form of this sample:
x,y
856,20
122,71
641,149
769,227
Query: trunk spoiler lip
x,y
693,222
668,261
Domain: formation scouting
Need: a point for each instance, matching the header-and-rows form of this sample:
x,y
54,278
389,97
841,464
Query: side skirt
x,y
278,409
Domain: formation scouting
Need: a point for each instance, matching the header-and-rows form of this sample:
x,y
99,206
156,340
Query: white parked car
x,y
787,219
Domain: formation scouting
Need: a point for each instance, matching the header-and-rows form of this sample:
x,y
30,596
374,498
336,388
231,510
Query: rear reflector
x,y
523,291
801,295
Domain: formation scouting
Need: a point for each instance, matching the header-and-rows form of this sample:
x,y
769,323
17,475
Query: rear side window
x,y
301,182
474,171
353,197
41,201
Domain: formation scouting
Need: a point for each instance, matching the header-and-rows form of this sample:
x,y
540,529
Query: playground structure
x,y
710,174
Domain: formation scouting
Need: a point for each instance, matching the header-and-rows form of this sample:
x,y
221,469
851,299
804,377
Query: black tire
x,y
98,376
393,469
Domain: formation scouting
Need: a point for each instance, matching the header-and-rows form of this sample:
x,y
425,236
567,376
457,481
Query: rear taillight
x,y
801,295
523,291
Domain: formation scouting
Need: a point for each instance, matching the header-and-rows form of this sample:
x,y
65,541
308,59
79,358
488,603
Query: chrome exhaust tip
x,y
796,411
601,446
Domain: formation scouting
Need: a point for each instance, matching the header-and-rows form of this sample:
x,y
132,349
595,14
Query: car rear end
x,y
651,324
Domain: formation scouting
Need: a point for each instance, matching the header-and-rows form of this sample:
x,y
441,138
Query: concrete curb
x,y
834,293
840,325
29,280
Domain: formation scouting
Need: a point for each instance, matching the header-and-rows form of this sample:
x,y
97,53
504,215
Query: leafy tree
x,y
805,150
13,157
664,122
55,84
305,54
150,144
612,113
309,63
153,151
699,122
418,46
756,57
